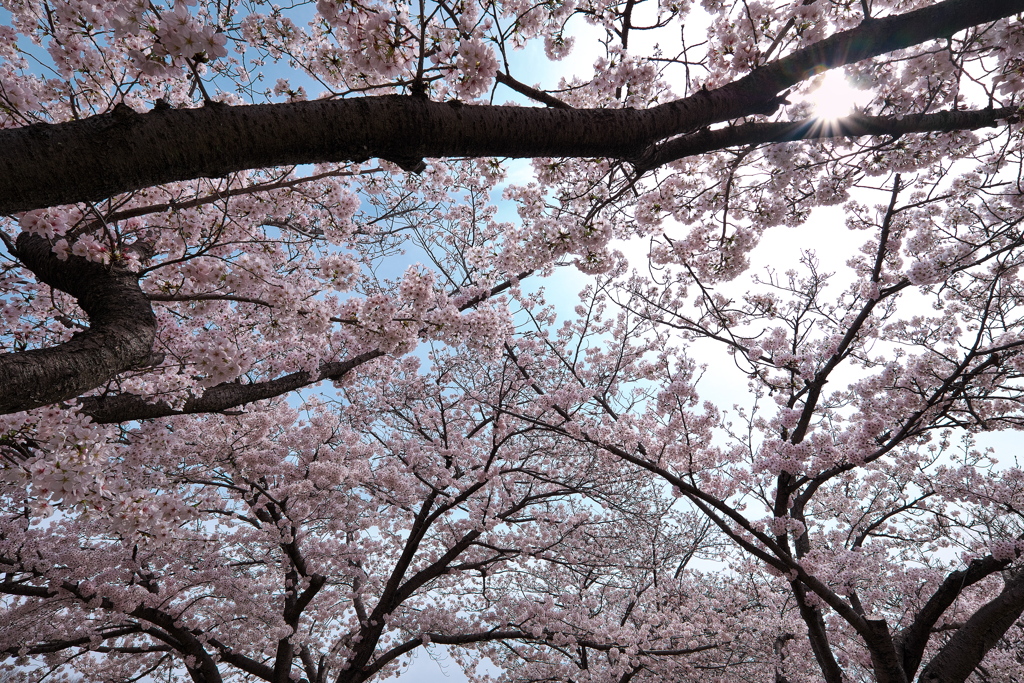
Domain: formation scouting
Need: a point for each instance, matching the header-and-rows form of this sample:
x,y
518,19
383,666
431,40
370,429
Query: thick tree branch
x,y
125,407
884,658
814,129
204,667
911,641
246,664
962,654
44,165
817,635
119,338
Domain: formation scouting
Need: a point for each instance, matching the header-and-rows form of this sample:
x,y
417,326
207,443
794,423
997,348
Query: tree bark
x,y
120,336
817,635
959,657
45,165
911,642
884,659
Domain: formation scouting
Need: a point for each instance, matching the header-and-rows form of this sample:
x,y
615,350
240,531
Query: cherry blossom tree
x,y
868,503
328,541
75,132
228,224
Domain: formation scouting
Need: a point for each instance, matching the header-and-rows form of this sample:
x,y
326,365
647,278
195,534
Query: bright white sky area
x,y
835,97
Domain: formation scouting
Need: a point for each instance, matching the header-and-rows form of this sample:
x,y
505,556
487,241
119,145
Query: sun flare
x,y
835,97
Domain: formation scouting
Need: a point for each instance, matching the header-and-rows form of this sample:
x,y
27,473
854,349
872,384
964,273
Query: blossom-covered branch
x,y
88,160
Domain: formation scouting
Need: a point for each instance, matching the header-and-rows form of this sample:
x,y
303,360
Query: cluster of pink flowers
x,y
477,67
180,35
377,41
48,223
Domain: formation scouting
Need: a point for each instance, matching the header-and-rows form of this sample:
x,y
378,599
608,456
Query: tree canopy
x,y
283,396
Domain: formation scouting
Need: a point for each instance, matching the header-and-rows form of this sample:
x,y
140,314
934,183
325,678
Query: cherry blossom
x,y
295,384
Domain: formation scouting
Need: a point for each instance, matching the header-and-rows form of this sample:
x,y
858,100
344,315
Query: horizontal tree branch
x,y
48,164
85,641
210,297
217,196
126,407
854,126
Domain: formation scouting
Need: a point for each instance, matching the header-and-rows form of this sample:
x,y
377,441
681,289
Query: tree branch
x,y
86,641
884,658
817,635
532,93
911,641
962,654
49,164
854,126
125,407
119,338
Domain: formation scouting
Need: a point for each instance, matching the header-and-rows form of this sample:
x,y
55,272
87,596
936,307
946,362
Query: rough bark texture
x,y
817,635
884,659
967,647
120,336
45,165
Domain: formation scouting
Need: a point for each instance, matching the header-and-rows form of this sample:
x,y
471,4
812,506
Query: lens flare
x,y
835,97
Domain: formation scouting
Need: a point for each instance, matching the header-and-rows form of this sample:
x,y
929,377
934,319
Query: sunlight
x,y
835,97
